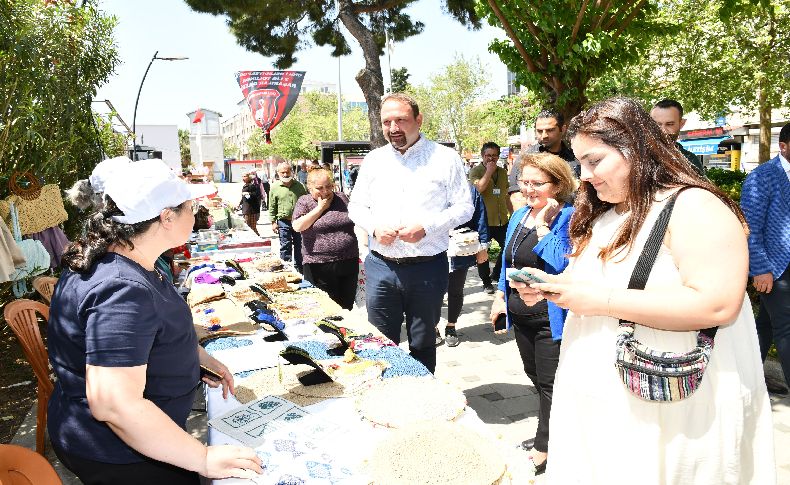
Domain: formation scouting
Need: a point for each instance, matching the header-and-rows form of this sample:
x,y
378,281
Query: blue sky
x,y
206,79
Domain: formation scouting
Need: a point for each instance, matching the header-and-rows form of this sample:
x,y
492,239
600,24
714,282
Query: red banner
x,y
270,95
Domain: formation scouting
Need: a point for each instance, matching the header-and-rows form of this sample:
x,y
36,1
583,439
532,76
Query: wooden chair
x,y
21,466
45,286
22,316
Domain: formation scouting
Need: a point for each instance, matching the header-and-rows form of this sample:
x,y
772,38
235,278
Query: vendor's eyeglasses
x,y
535,184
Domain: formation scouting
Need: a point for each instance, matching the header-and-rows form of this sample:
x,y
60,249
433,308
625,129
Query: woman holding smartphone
x,y
601,433
537,237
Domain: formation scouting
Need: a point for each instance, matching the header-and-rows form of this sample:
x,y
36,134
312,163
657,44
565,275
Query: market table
x,y
331,441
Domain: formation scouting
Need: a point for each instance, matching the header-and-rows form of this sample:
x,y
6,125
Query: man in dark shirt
x,y
550,131
668,113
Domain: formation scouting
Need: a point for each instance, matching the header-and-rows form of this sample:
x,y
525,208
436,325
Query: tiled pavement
x,y
487,367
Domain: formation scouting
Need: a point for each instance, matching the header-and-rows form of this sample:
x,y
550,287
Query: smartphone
x,y
210,373
500,323
523,276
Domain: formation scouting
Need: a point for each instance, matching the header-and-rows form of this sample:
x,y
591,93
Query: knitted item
x,y
204,293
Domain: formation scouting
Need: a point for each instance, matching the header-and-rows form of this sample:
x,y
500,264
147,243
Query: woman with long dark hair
x,y
123,347
601,432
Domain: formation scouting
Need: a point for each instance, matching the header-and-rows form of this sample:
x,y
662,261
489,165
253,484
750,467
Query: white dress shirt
x,y
785,165
426,186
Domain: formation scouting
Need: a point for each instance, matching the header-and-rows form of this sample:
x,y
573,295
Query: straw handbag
x,y
39,207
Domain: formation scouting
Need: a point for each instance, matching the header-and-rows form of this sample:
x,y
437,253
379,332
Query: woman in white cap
x,y
123,347
88,193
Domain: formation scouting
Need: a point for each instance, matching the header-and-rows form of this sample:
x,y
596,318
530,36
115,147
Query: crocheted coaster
x,y
221,312
292,276
242,293
401,401
220,318
450,452
267,263
308,303
204,293
272,281
279,381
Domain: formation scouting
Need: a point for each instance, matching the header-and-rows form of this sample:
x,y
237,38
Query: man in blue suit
x,y
765,200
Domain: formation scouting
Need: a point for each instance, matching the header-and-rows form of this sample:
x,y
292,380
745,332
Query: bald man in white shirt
x,y
408,196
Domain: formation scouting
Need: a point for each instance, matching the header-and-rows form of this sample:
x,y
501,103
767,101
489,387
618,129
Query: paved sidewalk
x,y
486,366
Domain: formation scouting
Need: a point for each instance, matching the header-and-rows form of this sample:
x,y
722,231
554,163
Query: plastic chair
x,y
22,316
45,286
21,466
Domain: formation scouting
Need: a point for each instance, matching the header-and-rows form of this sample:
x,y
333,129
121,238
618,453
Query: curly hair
x,y
101,232
656,164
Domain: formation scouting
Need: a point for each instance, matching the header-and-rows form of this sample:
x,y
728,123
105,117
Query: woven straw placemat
x,y
433,453
267,382
401,401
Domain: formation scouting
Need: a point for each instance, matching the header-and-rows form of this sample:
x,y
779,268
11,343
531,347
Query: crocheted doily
x,y
432,453
401,401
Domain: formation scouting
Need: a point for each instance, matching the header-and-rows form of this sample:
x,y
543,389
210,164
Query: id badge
x,y
496,191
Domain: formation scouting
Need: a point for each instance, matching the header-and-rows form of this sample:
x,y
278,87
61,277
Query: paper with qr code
x,y
252,423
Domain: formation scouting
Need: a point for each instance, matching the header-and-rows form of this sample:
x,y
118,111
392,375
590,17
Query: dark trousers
x,y
496,233
773,321
265,195
149,471
415,290
540,354
455,294
337,278
290,240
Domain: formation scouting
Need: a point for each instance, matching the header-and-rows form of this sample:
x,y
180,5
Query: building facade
x,y
205,143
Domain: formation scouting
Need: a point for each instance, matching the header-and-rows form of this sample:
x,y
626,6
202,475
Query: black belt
x,y
410,260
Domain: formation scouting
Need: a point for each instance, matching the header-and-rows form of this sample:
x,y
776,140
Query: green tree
x,y
281,29
400,80
229,149
449,98
53,57
183,146
495,120
113,143
728,54
557,47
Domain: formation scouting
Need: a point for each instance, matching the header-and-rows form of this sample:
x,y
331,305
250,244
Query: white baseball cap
x,y
142,190
104,170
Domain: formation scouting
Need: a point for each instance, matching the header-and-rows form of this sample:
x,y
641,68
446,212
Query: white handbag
x,y
464,242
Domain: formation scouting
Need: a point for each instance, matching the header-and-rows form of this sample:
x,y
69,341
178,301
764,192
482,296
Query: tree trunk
x,y
764,153
572,107
369,78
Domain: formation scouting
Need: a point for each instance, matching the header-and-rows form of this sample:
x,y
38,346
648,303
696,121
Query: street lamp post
x,y
140,90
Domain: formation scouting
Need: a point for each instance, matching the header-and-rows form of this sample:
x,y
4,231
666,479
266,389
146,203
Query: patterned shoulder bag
x,y
650,374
